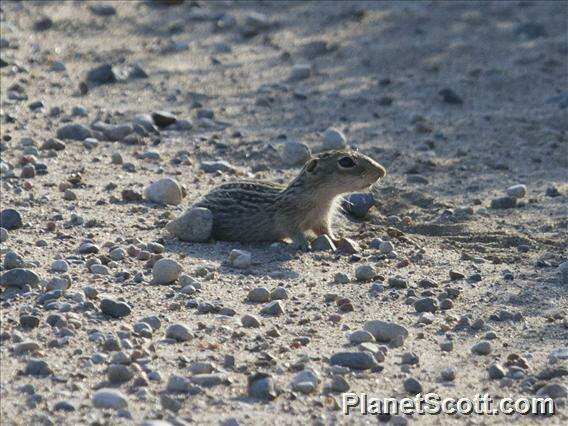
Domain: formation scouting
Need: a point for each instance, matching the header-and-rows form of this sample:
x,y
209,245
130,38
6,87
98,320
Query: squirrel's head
x,y
339,172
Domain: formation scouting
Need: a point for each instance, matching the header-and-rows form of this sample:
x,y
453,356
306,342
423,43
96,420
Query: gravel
x,y
201,94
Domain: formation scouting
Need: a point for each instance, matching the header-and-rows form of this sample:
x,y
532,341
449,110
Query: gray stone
x,y
250,321
178,332
365,273
323,243
300,72
274,308
37,367
361,336
114,132
503,203
305,381
259,295
164,191
261,386
19,277
386,331
163,118
481,348
341,278
59,265
412,386
334,139
102,74
295,153
218,166
195,225
119,373
339,384
76,132
59,283
426,304
553,390
240,259
354,360
29,321
448,374
397,282
115,309
10,219
386,247
165,271
102,9
28,346
178,384
496,371
3,235
207,380
99,269
13,260
54,144
517,191
63,406
255,23
109,398
153,321
279,293
358,204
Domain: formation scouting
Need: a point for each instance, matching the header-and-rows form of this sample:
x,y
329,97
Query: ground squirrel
x,y
251,211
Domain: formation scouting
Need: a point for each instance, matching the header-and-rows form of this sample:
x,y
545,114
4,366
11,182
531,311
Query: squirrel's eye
x,y
346,162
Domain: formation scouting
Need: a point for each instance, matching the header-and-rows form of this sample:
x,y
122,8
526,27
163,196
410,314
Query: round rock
x,y
295,153
109,398
517,191
481,348
354,360
195,225
164,191
334,139
365,273
114,309
259,295
165,271
384,331
10,219
19,277
178,332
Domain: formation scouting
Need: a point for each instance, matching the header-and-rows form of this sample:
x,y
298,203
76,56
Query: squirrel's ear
x,y
310,167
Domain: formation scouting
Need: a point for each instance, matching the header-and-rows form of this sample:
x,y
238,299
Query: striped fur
x,y
250,211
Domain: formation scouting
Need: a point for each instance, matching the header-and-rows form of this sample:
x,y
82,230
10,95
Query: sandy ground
x,y
377,70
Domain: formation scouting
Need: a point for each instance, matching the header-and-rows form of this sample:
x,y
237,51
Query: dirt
x,y
377,70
